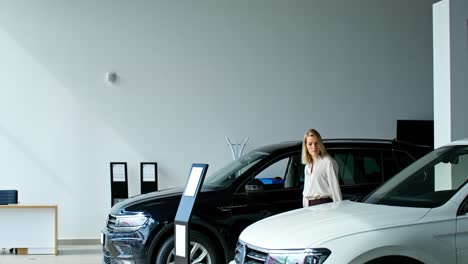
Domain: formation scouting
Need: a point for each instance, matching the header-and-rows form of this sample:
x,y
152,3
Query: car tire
x,y
204,252
394,259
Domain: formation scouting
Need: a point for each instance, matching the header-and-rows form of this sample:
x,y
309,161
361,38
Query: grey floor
x,y
67,254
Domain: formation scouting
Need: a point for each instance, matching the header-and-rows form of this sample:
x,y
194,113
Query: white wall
x,y
192,73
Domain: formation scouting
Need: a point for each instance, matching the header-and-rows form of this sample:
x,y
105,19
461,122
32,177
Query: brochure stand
x,y
148,177
119,182
184,213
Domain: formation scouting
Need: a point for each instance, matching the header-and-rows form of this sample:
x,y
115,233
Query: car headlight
x,y
129,223
307,256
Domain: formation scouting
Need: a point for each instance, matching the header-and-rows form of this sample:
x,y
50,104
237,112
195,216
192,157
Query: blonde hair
x,y
306,157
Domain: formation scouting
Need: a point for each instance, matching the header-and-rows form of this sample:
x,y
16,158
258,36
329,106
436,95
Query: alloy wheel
x,y
198,255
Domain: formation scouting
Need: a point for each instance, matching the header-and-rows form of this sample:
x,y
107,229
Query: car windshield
x,y
226,175
429,182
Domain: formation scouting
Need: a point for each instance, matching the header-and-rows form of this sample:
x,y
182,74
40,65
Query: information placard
x,y
148,177
118,180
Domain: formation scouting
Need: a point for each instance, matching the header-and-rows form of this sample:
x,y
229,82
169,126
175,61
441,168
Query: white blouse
x,y
321,179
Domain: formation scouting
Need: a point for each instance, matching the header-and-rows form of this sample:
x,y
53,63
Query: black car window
x,y
404,159
390,164
395,161
346,166
295,172
358,166
229,173
464,207
283,173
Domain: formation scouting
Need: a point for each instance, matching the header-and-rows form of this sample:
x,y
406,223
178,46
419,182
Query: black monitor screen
x,y
8,197
420,132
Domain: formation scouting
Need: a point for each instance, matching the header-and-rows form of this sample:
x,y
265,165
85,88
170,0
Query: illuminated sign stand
x,y
119,182
148,177
184,213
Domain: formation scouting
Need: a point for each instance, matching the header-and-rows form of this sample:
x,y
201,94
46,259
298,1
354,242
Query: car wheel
x,y
394,259
202,250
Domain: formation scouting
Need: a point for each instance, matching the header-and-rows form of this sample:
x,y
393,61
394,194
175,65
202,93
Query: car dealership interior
x,y
105,103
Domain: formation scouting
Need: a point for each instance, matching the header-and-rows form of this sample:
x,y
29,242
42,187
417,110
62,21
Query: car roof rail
x,y
369,140
399,141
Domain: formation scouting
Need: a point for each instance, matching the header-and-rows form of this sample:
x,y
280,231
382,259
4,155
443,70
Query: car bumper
x,y
123,248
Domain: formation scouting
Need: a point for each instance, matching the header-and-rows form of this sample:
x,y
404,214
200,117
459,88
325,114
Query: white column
x,y
450,40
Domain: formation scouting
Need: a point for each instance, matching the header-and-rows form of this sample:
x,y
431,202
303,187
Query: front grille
x,y
111,222
108,260
247,255
254,256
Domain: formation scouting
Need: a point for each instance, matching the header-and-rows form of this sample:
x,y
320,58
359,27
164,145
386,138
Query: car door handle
x,y
228,208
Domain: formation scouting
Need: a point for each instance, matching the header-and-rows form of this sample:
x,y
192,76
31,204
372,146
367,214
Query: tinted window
x,y
284,173
429,182
404,159
226,175
390,164
275,173
358,166
395,161
464,207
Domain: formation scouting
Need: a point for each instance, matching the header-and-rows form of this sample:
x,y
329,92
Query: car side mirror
x,y
254,185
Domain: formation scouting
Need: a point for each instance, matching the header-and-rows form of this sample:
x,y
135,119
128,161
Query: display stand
x,y
184,213
148,177
119,182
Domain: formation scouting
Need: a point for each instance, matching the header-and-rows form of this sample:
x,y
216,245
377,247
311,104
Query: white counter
x,y
30,228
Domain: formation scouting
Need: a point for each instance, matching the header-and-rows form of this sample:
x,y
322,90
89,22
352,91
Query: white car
x,y
418,216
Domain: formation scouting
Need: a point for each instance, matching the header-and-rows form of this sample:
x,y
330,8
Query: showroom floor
x,y
82,254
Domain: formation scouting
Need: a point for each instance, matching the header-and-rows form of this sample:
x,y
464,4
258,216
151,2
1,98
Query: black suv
x,y
264,182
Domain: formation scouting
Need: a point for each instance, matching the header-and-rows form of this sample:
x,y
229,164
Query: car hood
x,y
145,199
312,226
152,199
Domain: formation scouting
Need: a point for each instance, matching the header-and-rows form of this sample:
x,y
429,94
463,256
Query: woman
x,y
321,183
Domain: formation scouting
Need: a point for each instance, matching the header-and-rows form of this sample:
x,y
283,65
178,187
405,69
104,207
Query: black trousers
x,y
320,201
